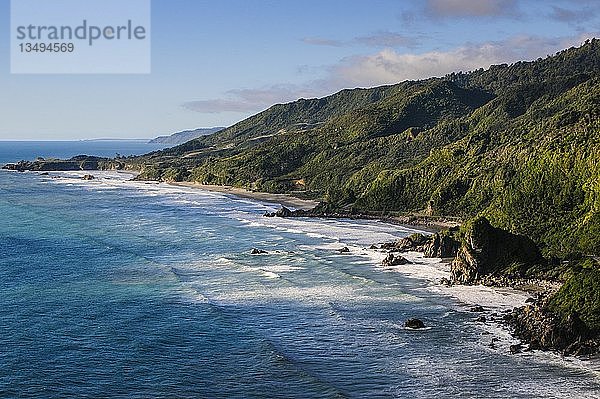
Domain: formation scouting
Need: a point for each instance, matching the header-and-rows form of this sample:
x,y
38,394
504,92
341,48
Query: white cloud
x,y
470,8
389,66
251,100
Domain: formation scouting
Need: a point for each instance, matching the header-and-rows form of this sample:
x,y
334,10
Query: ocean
x,y
121,289
14,151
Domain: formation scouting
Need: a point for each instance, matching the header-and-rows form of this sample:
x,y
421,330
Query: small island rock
x,y
394,260
414,324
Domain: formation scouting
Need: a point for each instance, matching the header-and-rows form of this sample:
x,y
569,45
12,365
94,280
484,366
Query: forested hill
x,y
519,144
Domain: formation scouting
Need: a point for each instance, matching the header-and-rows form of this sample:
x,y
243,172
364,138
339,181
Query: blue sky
x,y
217,62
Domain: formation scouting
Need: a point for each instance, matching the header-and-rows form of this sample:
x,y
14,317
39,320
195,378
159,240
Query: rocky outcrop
x,y
441,245
256,251
414,242
394,260
414,324
81,162
282,212
489,251
438,245
543,329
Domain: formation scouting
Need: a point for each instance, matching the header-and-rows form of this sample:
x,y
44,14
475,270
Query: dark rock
x,y
394,260
88,177
533,345
446,282
283,212
413,242
545,330
45,174
414,324
477,309
256,251
441,245
581,349
487,250
373,247
344,250
514,349
82,162
529,300
481,319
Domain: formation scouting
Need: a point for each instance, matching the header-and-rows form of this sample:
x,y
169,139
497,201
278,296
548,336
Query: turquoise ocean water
x,y
14,151
110,288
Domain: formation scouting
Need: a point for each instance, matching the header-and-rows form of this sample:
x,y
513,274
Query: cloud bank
x,y
389,66
470,8
251,100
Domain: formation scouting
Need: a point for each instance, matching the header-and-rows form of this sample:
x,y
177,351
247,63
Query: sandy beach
x,y
286,200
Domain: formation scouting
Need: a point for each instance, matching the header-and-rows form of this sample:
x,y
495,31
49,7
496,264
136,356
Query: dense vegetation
x,y
517,143
581,294
515,149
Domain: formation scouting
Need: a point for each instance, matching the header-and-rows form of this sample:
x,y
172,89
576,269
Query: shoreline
x,y
300,207
286,200
494,299
424,223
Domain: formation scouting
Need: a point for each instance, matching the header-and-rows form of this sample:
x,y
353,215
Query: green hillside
x,y
519,144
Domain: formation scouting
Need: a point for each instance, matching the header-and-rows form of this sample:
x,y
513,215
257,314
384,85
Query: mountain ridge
x,y
369,149
184,136
515,145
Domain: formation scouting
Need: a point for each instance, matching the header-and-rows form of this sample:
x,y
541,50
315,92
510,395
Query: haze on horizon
x,y
215,63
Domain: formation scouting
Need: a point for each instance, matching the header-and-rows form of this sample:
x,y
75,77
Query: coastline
x,y
286,200
303,208
495,300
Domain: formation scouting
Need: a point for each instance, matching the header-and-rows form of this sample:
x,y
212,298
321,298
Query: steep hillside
x,y
185,136
517,143
513,150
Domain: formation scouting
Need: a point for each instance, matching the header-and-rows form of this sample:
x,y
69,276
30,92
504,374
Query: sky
x,y
217,62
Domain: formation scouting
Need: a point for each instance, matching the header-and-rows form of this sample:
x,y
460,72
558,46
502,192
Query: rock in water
x,y
543,329
394,260
344,250
88,177
414,324
256,251
514,349
441,245
413,242
487,250
284,212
